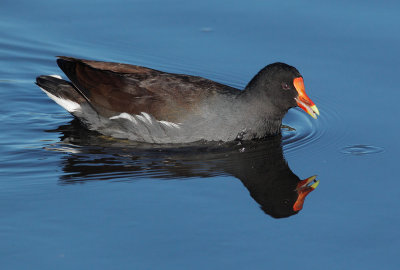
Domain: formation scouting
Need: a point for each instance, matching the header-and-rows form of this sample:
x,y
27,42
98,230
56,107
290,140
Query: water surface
x,y
73,199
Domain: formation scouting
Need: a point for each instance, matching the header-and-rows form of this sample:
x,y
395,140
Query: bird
x,y
141,104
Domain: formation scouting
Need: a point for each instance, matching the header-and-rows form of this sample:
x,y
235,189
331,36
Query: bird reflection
x,y
259,165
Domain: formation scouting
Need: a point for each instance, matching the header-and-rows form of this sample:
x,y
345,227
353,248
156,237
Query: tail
x,y
62,92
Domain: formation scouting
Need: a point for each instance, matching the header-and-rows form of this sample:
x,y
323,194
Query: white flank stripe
x,y
141,118
125,116
147,116
169,124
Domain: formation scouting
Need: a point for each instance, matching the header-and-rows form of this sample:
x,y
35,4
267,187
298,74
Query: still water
x,y
71,199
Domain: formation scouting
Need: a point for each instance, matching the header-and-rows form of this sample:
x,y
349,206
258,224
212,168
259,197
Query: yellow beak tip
x,y
313,115
315,185
315,109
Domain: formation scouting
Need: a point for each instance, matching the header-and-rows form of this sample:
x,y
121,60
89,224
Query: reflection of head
x,y
287,202
260,166
278,199
272,184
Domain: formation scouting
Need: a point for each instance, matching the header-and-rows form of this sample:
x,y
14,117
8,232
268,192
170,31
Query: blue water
x,y
80,201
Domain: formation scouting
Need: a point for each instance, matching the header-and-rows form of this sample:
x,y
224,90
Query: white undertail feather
x,y
69,105
56,76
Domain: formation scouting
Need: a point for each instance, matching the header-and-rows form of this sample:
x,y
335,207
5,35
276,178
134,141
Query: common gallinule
x,y
143,104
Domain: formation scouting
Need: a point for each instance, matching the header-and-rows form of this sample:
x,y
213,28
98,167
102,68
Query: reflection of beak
x,y
303,101
303,188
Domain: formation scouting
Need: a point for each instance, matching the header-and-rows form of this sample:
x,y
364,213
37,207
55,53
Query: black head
x,y
275,82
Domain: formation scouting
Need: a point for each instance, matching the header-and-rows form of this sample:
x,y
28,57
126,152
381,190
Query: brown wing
x,y
115,88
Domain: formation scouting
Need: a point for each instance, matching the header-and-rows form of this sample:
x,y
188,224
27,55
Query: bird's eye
x,y
286,202
285,86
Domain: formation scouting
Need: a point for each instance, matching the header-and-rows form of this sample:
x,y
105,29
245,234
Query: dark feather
x,y
115,88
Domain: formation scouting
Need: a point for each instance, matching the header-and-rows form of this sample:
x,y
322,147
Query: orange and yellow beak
x,y
303,188
303,101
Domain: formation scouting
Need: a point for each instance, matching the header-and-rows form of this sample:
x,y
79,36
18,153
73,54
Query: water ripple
x,y
361,149
303,130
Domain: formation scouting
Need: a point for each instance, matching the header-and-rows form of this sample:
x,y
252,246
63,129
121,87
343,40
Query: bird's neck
x,y
258,115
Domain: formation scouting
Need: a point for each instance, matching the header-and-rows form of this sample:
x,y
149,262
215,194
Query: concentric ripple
x,y
302,130
361,149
